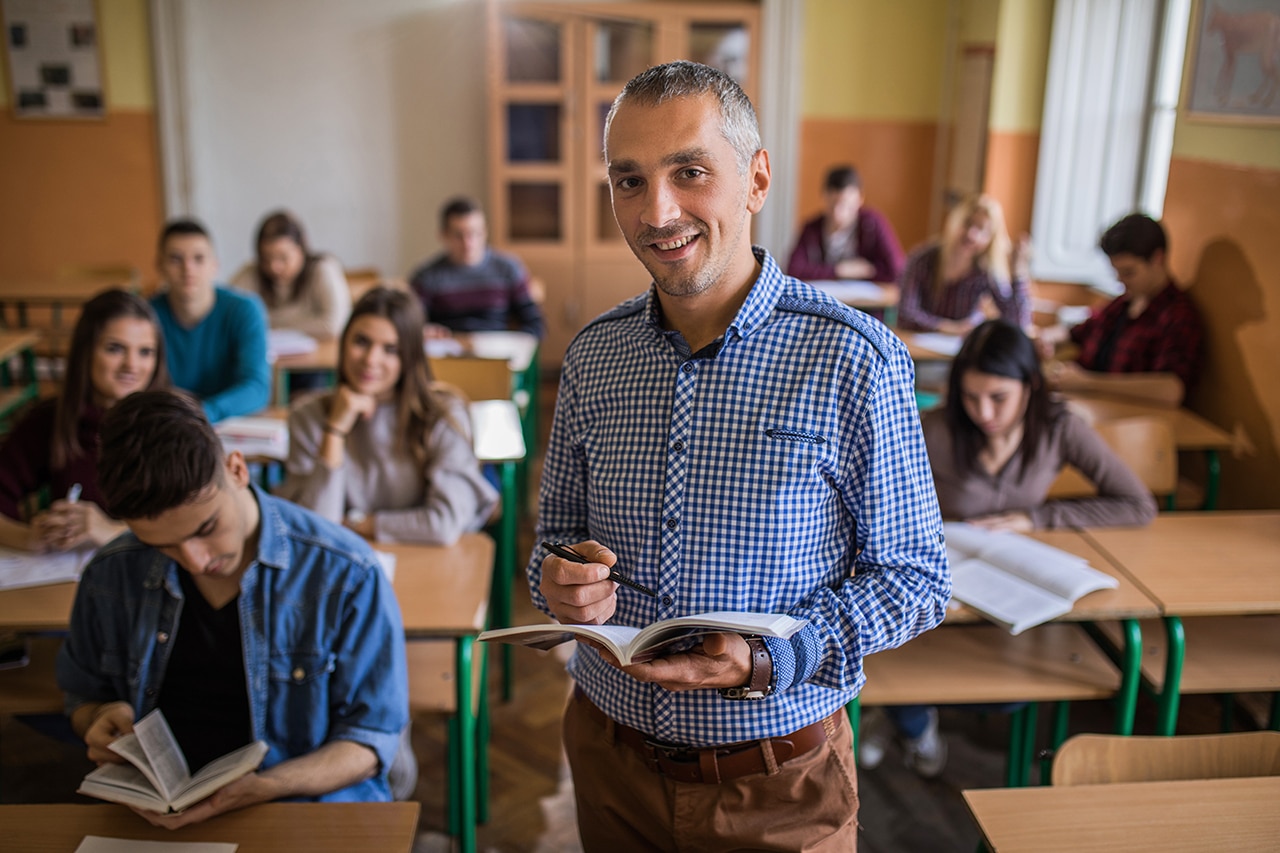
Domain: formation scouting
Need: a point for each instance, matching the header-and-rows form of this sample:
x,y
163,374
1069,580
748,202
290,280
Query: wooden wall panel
x,y
1011,176
1222,222
895,159
78,193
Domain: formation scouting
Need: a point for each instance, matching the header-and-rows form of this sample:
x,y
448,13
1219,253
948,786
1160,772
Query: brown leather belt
x,y
715,764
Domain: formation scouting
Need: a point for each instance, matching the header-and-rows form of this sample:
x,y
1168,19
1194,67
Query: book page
x,y
765,624
1004,598
219,773
101,844
23,568
168,764
1058,571
123,783
614,637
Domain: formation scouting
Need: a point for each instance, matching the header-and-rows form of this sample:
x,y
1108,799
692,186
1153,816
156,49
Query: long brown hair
x,y
420,402
77,387
278,225
994,260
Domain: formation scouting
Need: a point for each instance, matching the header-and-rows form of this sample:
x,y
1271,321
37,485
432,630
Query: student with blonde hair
x,y
946,281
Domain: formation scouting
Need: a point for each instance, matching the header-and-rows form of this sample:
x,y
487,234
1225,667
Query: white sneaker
x,y
927,754
873,739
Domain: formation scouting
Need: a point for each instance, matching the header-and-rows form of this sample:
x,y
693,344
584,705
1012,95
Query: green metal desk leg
x,y
1021,720
1129,661
463,785
1213,465
1167,707
1274,722
854,710
505,567
483,729
1061,724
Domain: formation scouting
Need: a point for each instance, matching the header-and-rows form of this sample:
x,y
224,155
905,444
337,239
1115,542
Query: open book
x,y
1014,580
156,777
637,645
254,436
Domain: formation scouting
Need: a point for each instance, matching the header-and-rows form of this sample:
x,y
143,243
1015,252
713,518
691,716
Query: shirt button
x,y
162,637
299,674
151,691
671,524
666,601
679,445
688,367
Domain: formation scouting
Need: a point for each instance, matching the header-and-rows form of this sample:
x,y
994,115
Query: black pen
x,y
567,553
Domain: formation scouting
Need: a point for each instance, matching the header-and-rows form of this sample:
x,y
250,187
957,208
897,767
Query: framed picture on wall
x,y
52,58
1234,62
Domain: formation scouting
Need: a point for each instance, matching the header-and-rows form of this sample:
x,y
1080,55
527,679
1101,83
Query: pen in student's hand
x,y
73,493
567,553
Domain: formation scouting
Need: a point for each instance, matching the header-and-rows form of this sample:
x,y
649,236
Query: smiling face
x,y
212,533
124,359
995,404
679,197
371,356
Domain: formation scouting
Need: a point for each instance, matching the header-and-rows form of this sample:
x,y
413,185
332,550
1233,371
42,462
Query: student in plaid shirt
x,y
734,440
1145,343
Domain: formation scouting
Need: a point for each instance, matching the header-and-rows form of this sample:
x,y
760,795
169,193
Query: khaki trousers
x,y
810,804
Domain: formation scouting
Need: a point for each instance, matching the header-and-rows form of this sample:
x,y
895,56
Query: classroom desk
x,y
266,828
1197,815
55,293
13,394
1190,431
323,359
1197,564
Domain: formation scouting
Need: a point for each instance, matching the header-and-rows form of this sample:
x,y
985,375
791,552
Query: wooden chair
x,y
1104,759
1146,444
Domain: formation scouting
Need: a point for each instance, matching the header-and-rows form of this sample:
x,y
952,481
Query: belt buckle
x,y
669,751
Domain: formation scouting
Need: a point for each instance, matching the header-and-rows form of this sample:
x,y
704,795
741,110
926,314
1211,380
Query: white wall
x,y
361,117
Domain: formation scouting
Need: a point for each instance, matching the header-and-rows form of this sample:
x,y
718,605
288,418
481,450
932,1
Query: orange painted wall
x,y
1222,222
1011,175
78,193
895,159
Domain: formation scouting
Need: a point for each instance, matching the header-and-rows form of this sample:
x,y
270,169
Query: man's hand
x,y
722,660
246,791
109,722
581,593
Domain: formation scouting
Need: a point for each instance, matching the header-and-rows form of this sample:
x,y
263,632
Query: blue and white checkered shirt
x,y
782,471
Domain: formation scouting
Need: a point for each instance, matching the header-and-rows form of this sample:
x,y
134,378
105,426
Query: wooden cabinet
x,y
554,70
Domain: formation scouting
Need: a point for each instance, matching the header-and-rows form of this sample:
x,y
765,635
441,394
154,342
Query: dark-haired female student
x,y
303,290
388,452
996,447
117,348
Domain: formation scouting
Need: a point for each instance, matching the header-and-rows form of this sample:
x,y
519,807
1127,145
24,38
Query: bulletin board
x,y
52,51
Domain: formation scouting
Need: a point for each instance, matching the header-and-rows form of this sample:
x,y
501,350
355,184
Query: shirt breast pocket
x,y
797,472
299,696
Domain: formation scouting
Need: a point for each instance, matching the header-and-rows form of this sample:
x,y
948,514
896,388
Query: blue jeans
x,y
912,720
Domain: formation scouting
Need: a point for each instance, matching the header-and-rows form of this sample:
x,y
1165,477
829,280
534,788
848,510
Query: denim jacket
x,y
321,635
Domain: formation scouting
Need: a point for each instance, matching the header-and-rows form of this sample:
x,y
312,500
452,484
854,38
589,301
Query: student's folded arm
x,y
1123,500
250,385
901,583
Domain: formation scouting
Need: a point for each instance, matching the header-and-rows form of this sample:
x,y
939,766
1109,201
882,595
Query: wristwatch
x,y
760,684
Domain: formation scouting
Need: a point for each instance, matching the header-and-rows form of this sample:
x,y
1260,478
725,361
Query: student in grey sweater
x,y
388,453
995,449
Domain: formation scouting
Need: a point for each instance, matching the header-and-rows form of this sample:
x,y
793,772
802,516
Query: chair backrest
x,y
477,378
1101,759
1144,443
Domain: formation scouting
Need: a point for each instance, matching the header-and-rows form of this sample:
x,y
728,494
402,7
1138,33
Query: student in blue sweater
x,y
215,337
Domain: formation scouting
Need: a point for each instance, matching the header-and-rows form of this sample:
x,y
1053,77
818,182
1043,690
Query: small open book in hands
x,y
637,645
156,777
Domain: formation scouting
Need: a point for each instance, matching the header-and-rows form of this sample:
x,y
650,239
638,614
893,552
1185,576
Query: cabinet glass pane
x,y
534,210
721,45
533,51
606,225
623,50
533,132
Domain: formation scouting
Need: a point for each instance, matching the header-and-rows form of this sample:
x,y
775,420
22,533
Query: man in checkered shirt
x,y
734,440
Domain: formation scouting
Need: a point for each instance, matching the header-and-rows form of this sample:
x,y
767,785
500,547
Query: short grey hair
x,y
683,79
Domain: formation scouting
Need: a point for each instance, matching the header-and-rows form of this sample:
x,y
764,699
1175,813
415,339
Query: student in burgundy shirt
x,y
848,240
1147,342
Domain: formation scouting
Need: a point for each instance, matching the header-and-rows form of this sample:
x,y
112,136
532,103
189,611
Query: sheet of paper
x,y
852,292
388,561
938,342
100,844
22,568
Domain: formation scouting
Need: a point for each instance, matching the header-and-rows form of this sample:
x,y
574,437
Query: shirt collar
x,y
755,309
273,533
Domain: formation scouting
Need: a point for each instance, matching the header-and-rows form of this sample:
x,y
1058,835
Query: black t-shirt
x,y
205,696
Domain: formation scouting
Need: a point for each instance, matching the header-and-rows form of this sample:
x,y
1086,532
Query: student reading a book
x,y
388,452
946,282
733,439
302,289
215,337
241,616
996,447
116,349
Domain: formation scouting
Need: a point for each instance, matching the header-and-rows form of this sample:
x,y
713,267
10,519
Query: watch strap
x,y
757,686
